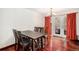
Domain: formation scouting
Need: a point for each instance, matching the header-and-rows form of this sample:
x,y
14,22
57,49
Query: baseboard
x,y
7,47
59,36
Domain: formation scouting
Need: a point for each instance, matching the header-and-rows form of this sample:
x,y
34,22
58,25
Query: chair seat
x,y
25,42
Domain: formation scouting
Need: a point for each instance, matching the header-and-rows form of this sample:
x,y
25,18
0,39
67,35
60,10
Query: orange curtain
x,y
71,26
48,25
48,31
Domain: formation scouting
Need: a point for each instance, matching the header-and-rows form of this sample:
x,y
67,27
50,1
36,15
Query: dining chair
x,y
41,30
16,39
22,41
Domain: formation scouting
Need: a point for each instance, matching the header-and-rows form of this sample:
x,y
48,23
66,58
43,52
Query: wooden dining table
x,y
34,36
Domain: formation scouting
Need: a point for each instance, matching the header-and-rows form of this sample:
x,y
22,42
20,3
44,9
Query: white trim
x,y
63,36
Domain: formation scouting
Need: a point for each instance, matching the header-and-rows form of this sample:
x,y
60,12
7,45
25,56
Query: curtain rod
x,y
63,14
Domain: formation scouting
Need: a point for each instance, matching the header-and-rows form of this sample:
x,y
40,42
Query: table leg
x,y
41,42
44,41
32,45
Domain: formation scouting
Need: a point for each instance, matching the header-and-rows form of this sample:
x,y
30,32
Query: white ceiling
x,y
64,10
55,11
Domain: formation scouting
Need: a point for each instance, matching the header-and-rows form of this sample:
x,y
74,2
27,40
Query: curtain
x,y
48,25
71,26
48,32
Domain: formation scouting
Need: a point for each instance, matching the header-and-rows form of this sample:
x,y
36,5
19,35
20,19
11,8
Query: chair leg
x,y
16,47
42,42
23,48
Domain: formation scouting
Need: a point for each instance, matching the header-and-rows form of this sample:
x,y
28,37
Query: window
x,y
59,25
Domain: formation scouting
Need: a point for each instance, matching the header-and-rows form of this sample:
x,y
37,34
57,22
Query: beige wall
x,y
18,18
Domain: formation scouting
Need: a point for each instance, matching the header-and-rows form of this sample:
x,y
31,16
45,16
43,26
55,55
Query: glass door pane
x,y
65,25
57,25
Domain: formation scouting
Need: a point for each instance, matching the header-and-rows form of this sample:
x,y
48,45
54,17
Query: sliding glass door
x,y
59,25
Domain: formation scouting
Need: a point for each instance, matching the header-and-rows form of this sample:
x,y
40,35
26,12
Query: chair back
x,y
16,35
23,38
39,29
20,36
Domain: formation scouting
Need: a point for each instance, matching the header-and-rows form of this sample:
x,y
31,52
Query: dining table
x,y
34,36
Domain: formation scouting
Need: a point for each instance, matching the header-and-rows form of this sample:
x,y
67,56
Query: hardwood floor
x,y
54,44
9,48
